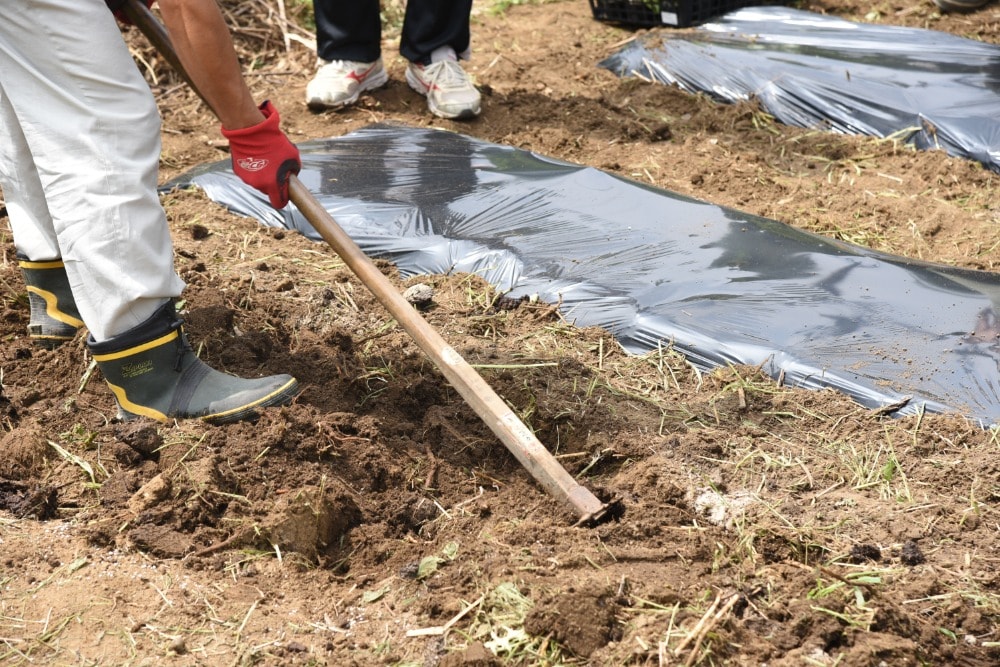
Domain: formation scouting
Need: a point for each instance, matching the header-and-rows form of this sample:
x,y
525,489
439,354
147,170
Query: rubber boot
x,y
54,317
153,372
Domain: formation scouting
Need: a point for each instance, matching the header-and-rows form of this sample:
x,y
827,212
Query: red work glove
x,y
116,7
263,157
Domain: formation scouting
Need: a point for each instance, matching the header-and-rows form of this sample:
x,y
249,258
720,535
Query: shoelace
x,y
446,75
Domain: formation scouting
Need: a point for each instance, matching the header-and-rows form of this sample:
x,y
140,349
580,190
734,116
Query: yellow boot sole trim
x,y
135,408
249,406
52,307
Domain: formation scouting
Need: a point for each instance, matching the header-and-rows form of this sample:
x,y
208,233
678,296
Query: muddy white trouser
x,y
79,152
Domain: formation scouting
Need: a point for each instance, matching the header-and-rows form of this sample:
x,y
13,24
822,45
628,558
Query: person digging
x,y
79,157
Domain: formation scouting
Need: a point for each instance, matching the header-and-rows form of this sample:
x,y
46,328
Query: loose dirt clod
x,y
311,521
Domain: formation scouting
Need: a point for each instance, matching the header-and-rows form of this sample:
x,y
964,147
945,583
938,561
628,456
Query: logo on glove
x,y
253,163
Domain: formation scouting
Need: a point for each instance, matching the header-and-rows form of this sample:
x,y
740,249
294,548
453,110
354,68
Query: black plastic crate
x,y
675,13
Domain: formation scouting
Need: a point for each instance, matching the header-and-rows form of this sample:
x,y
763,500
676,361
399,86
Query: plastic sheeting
x,y
655,268
932,89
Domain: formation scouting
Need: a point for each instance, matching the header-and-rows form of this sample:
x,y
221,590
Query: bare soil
x,y
379,521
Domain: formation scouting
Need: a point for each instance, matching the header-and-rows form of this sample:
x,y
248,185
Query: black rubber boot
x,y
153,372
54,317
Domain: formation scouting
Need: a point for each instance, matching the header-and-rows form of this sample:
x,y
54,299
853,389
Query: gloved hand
x,y
117,8
263,157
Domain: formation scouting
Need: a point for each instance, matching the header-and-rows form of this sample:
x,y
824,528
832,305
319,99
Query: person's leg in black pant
x,y
348,30
432,24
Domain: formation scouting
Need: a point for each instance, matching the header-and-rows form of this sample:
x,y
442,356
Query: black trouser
x,y
352,30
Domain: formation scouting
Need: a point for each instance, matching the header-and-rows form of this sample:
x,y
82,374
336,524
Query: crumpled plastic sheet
x,y
655,268
925,87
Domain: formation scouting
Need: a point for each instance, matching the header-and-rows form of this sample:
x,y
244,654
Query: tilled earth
x,y
378,520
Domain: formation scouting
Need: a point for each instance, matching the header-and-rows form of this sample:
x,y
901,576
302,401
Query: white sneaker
x,y
339,83
449,91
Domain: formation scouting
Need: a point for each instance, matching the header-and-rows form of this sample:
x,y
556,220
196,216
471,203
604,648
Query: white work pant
x,y
79,153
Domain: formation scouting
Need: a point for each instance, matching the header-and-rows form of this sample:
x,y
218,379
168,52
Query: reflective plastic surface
x,y
655,268
929,88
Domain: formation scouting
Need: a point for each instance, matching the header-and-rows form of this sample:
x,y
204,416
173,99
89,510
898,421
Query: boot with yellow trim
x,y
54,317
153,372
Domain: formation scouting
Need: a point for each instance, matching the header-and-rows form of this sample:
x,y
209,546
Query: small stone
x,y
410,570
178,646
420,295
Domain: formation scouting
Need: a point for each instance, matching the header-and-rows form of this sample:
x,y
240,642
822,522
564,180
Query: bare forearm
x,y
205,48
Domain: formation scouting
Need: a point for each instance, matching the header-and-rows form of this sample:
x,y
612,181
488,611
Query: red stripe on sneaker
x,y
363,75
